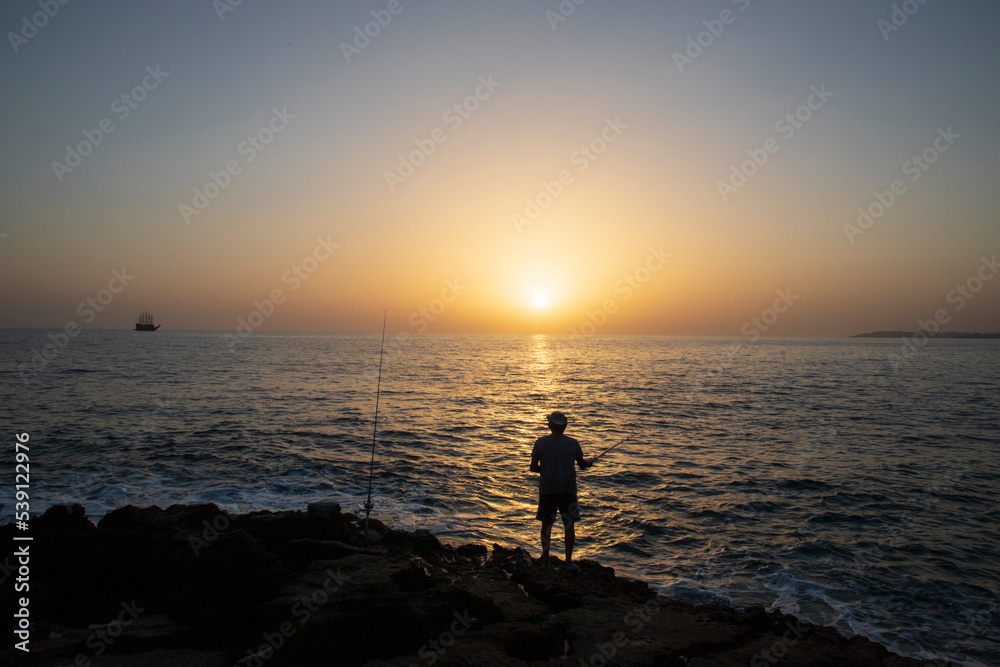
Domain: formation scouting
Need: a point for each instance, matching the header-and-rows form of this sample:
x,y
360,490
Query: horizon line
x,y
887,333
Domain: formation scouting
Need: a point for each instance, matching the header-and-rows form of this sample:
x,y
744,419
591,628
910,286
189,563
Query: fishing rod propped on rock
x,y
369,505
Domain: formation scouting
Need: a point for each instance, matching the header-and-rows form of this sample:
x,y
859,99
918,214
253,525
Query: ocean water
x,y
813,476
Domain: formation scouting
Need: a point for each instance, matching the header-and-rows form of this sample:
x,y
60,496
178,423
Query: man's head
x,y
557,422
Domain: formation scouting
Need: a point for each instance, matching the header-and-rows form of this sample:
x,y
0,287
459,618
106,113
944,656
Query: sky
x,y
721,168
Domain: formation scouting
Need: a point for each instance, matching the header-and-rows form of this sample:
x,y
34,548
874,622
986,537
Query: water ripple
x,y
804,475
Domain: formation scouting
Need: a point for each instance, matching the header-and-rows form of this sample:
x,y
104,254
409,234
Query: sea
x,y
853,483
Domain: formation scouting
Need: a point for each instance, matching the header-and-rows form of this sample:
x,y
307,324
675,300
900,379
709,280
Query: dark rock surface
x,y
196,586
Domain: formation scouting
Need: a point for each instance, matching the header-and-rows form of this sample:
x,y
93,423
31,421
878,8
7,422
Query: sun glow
x,y
541,301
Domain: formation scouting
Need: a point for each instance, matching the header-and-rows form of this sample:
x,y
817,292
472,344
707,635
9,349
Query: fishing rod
x,y
613,446
378,387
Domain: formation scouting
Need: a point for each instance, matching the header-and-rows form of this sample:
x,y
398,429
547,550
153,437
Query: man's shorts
x,y
558,503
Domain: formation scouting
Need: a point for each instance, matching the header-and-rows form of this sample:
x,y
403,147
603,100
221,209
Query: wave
x,y
835,509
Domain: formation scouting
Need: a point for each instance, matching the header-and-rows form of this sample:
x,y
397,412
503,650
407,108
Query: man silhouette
x,y
553,457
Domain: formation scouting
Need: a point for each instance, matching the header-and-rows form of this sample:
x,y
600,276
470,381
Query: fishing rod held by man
x,y
613,446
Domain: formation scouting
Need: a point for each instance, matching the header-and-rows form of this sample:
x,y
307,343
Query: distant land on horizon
x,y
930,334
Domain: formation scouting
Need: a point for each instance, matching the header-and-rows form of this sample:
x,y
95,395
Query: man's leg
x,y
546,541
570,538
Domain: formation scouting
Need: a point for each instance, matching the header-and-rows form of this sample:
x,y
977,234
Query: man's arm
x,y
582,462
535,461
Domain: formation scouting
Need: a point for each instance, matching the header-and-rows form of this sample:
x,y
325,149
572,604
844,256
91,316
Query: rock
x,y
197,586
297,554
176,519
416,576
472,550
535,644
63,519
148,626
326,509
223,585
276,528
163,658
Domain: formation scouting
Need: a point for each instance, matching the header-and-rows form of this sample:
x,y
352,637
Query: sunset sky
x,y
495,166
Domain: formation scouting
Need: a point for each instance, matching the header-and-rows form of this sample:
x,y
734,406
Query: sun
x,y
541,301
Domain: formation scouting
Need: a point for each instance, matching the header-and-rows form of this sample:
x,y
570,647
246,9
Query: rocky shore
x,y
199,587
